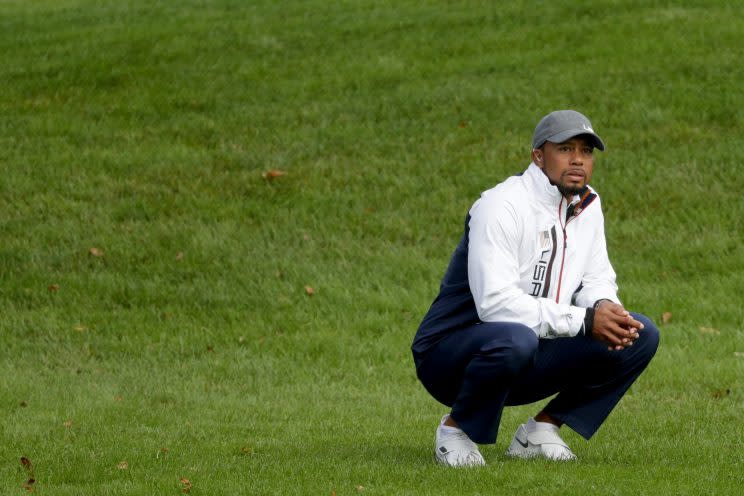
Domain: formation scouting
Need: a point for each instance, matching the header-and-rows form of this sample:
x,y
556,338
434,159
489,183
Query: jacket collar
x,y
549,196
538,182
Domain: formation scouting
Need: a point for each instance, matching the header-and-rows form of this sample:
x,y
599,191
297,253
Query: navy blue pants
x,y
480,369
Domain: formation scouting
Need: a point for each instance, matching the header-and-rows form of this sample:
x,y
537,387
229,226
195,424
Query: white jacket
x,y
528,264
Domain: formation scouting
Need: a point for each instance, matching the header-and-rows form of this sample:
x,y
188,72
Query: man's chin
x,y
571,189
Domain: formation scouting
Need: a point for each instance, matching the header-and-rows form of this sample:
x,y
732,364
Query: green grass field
x,y
157,335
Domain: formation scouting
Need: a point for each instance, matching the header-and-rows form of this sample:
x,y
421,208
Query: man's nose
x,y
576,158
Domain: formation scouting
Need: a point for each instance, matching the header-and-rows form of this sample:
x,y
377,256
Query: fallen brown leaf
x,y
179,255
26,463
273,174
246,450
118,398
67,423
709,330
463,124
666,317
187,485
720,393
309,290
53,288
80,328
29,484
122,465
96,252
360,489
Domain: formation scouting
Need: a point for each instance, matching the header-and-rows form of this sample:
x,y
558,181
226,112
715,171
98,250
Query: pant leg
x,y
472,371
589,379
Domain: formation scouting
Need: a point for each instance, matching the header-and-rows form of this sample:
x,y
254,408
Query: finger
x,y
626,336
618,310
632,334
619,319
611,338
618,330
634,323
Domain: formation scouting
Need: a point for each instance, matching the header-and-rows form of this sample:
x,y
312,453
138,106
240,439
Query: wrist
x,y
599,302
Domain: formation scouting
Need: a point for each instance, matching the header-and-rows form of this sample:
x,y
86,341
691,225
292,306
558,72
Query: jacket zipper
x,y
565,245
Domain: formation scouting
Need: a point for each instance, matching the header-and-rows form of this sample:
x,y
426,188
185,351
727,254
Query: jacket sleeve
x,y
493,274
598,281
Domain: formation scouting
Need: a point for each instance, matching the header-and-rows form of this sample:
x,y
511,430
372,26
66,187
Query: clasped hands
x,y
614,326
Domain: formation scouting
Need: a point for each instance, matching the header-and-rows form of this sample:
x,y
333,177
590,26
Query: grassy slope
x,y
143,130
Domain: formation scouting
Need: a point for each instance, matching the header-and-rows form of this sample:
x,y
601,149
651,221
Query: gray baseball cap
x,y
563,125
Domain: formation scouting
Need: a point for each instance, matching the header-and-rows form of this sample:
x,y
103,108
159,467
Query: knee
x,y
648,338
524,346
514,346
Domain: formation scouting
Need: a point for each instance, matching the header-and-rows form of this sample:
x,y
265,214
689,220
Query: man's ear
x,y
537,157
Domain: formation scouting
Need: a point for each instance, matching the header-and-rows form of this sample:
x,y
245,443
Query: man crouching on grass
x,y
528,308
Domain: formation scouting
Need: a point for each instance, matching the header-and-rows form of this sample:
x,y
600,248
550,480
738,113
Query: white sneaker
x,y
545,443
455,449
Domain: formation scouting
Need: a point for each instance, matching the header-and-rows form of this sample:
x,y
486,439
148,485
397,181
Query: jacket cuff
x,y
586,329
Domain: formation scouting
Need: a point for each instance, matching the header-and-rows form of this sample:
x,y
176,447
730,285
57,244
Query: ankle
x,y
450,422
547,419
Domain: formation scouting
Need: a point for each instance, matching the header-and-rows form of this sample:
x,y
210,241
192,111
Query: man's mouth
x,y
576,175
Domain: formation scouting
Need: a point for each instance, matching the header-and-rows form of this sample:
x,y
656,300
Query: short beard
x,y
570,190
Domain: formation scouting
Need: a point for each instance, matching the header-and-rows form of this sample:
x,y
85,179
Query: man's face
x,y
568,165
